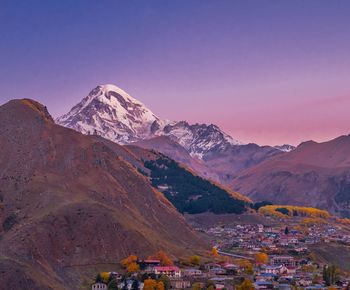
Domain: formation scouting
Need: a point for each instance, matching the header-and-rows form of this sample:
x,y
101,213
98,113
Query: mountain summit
x,y
110,112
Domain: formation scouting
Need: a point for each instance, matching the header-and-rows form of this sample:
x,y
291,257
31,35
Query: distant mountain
x,y
285,147
313,174
111,113
70,204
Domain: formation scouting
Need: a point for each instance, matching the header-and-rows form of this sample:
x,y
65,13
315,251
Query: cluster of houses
x,y
288,265
275,239
281,272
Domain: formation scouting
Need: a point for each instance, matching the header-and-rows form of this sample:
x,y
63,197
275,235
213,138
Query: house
x,y
283,260
192,272
99,286
272,269
217,271
266,277
170,271
263,285
149,264
179,284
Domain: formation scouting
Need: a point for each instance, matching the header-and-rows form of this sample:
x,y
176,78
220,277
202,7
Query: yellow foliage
x,y
160,286
163,258
312,221
248,267
270,210
150,284
129,260
261,258
195,260
105,276
132,268
245,285
196,286
215,252
344,221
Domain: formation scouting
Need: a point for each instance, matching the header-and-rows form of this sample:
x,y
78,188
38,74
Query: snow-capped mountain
x,y
285,147
113,114
110,112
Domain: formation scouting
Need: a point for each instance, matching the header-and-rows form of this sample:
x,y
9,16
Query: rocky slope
x,y
72,205
314,174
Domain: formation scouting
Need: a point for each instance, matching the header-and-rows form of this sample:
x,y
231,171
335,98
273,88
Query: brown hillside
x,y
69,203
314,174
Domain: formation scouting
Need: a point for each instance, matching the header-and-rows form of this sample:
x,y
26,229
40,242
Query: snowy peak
x,y
112,113
199,139
285,147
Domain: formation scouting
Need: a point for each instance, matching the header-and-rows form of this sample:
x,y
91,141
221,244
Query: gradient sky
x,y
269,72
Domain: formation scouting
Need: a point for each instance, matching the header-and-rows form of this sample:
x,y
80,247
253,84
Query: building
x,y
170,271
192,272
99,286
283,260
179,284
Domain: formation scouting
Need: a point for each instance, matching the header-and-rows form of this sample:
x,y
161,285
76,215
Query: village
x,y
244,256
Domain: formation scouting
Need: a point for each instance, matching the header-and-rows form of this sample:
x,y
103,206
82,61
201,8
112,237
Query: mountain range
x,y
306,175
110,112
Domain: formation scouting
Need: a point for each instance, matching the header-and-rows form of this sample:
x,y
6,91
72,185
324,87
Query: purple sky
x,y
269,72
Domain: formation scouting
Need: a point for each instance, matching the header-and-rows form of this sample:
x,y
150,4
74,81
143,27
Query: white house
x,y
170,271
99,286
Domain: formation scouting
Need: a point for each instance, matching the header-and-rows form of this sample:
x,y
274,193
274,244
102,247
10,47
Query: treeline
x,y
190,193
289,211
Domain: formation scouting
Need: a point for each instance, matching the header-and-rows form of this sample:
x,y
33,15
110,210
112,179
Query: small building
x,y
283,260
192,272
179,284
263,285
99,286
170,271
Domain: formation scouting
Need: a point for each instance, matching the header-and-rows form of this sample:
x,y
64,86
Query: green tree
x,y
286,231
330,274
135,285
166,281
113,285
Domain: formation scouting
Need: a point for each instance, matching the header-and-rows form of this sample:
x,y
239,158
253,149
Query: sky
x,y
270,72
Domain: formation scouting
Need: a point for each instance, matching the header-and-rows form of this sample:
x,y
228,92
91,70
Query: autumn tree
x,y
160,286
261,258
104,276
163,258
195,260
215,252
196,286
210,285
132,268
245,285
128,260
149,284
246,265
